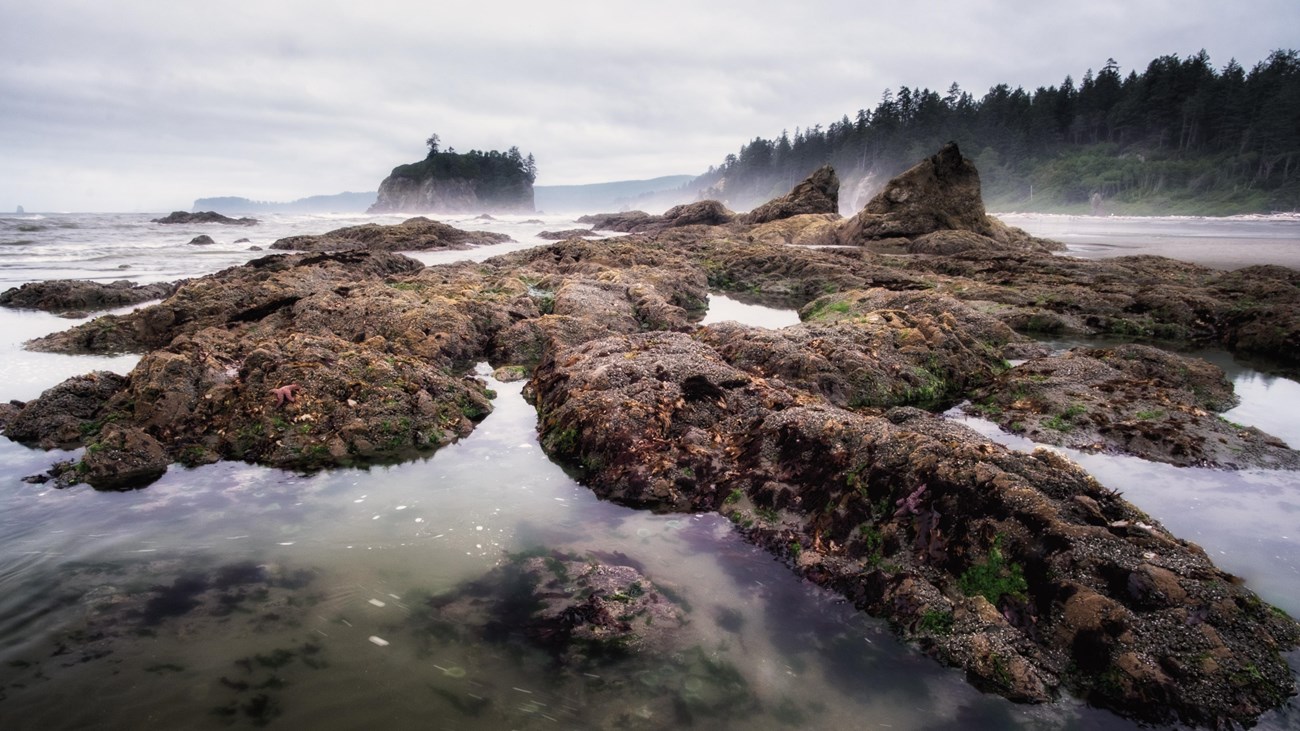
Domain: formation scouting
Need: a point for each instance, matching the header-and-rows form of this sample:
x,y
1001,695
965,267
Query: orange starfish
x,y
285,393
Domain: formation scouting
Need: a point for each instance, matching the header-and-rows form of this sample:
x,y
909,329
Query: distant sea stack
x,y
452,182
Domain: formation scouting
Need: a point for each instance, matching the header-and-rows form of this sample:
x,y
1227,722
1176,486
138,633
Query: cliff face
x,y
456,183
456,195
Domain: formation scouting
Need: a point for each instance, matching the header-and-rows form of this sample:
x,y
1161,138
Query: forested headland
x,y
452,182
1180,137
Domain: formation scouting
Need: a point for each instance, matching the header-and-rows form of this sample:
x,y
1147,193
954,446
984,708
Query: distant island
x,y
336,203
452,182
652,194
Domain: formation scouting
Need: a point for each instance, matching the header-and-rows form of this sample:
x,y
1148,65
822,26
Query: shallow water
x,y
239,594
1222,243
97,607
726,309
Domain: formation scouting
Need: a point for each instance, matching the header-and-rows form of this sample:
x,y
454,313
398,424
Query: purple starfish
x,y
285,393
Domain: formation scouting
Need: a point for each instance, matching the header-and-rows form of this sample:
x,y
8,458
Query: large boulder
x,y
64,295
122,458
699,213
185,217
873,349
624,222
414,234
818,193
569,233
65,414
940,193
582,610
251,292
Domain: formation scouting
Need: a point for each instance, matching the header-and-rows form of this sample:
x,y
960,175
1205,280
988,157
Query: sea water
x,y
239,595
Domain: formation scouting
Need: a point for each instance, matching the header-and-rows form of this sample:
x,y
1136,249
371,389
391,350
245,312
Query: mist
x,y
141,107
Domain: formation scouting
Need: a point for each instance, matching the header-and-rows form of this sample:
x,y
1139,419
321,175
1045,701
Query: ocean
x,y
236,595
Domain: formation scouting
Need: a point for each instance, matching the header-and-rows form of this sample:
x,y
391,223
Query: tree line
x,y
1181,136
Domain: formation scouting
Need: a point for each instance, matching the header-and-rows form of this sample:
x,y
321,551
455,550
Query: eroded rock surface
x,y
72,295
1019,568
939,194
414,234
569,233
204,217
1134,399
582,610
819,193
700,213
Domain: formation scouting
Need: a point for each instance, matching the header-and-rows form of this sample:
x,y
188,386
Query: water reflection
x,y
723,309
233,593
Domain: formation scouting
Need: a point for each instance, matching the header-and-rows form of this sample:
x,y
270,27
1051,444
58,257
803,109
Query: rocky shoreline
x,y
820,441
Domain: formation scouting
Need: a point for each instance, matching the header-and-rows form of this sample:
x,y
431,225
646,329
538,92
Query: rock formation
x,y
72,295
570,233
447,182
1018,568
818,193
1134,399
413,234
940,194
204,217
706,213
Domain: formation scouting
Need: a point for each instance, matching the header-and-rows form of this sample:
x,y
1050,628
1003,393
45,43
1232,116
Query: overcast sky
x,y
135,105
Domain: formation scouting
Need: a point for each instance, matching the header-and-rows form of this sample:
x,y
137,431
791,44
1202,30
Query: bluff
x,y
451,182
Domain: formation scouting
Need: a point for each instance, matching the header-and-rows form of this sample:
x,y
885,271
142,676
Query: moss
x,y
994,577
564,441
873,542
935,622
1064,421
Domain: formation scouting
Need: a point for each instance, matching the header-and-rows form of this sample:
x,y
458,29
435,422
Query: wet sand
x,y
1220,243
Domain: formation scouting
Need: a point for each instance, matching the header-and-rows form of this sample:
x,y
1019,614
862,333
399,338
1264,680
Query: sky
x,y
145,105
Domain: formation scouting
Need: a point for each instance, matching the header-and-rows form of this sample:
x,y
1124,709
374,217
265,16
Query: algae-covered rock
x,y
992,559
1133,399
64,414
122,458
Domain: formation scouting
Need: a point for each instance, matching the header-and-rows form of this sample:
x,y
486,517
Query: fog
x,y
137,105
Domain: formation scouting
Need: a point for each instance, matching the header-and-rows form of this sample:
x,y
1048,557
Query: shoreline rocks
x,y
819,193
569,233
1019,568
78,296
185,217
1132,399
413,234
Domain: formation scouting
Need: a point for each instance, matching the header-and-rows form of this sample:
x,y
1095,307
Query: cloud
x,y
140,105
